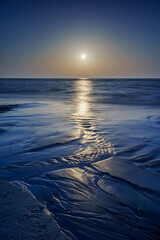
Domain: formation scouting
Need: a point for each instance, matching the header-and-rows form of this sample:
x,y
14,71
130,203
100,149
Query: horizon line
x,y
74,78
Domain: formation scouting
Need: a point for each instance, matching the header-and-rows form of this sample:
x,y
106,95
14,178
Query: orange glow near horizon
x,y
98,60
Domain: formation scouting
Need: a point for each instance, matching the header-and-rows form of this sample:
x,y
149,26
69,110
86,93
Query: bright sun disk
x,y
83,56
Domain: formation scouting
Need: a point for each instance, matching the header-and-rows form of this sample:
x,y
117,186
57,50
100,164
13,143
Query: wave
x,y
120,91
6,108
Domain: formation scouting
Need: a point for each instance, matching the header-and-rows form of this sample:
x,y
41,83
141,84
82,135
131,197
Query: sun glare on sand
x,y
83,56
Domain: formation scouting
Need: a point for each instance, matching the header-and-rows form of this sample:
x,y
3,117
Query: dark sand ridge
x,y
23,217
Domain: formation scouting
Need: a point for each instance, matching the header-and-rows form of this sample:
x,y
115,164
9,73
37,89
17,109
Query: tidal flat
x,y
80,159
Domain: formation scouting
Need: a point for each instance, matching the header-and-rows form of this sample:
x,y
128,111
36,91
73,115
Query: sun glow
x,y
83,56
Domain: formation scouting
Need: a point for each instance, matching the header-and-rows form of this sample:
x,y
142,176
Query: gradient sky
x,y
45,38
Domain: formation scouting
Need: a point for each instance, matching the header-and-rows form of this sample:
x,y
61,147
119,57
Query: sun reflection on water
x,y
92,144
83,89
82,108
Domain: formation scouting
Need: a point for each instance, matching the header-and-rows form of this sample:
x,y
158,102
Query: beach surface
x,y
80,159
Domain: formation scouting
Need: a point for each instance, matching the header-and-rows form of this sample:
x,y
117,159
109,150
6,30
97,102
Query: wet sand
x,y
80,160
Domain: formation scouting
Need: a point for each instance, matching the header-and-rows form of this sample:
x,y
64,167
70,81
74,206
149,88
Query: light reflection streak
x,y
83,96
93,145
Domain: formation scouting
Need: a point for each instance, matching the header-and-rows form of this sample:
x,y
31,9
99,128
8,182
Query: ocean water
x,y
88,150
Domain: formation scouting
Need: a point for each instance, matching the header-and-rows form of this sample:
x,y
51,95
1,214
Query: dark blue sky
x,y
41,38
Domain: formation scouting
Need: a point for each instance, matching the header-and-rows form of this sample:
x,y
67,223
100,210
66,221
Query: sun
x,y
83,56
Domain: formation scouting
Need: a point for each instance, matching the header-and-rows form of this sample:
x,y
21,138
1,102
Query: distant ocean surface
x,y
87,149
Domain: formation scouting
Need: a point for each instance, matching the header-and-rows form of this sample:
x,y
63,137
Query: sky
x,y
46,38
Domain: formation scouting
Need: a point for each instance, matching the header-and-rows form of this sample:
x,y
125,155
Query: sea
x,y
88,150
